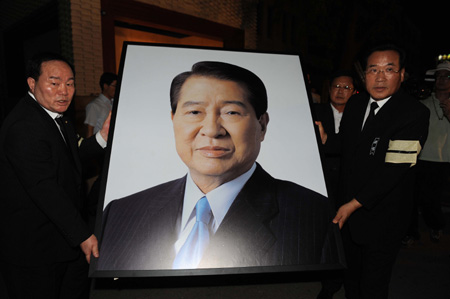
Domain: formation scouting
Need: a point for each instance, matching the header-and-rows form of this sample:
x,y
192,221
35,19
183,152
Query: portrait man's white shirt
x,y
220,200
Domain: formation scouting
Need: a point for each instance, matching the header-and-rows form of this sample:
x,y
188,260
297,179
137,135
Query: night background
x,y
327,34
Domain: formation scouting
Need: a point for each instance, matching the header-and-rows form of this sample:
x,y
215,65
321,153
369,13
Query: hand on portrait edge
x,y
105,128
345,211
90,247
323,134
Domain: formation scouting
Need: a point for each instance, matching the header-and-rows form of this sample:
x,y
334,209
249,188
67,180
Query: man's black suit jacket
x,y
42,198
271,222
324,113
331,156
384,189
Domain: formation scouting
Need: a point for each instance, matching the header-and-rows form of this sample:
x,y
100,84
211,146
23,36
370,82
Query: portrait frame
x,y
141,137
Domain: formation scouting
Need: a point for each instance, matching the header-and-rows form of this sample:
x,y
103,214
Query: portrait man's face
x,y
55,87
217,134
383,74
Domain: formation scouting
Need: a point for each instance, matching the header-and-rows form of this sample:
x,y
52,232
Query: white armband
x,y
403,151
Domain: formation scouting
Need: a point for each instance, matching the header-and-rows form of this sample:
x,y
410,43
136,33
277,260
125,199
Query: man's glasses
x,y
343,87
388,71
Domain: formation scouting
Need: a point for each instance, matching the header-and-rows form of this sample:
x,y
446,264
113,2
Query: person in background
x,y
433,168
97,111
329,115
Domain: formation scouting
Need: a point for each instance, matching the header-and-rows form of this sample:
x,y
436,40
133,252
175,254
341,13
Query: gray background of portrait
x,y
143,150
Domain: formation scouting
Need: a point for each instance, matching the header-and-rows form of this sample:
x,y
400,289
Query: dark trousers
x,y
431,178
56,281
369,267
331,285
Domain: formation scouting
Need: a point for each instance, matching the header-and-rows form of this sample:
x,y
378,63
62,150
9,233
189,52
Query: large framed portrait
x,y
212,167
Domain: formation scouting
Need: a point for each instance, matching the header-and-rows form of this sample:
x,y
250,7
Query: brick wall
x,y
87,45
86,30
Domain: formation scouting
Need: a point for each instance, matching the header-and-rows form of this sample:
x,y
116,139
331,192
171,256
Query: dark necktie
x,y
62,127
192,251
371,116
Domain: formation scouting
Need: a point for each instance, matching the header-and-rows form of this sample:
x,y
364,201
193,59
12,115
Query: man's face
x,y
383,74
217,134
55,87
341,90
109,90
442,80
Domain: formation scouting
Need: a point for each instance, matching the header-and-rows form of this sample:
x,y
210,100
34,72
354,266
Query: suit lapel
x,y
72,143
330,117
53,129
50,123
153,218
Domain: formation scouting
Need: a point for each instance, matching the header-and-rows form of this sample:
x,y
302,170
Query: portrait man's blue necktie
x,y
192,251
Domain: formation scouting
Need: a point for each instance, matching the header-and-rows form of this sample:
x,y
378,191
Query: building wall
x,y
87,39
87,45
80,28
239,14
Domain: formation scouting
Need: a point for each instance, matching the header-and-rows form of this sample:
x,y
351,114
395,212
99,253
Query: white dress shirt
x,y
220,200
380,104
337,116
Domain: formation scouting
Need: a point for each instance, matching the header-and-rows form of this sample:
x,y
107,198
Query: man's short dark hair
x,y
107,78
255,91
386,47
34,69
342,73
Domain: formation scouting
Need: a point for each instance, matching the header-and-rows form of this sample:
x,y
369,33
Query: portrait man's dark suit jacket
x,y
384,189
271,222
42,198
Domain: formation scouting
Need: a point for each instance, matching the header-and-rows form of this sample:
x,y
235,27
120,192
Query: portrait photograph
x,y
213,167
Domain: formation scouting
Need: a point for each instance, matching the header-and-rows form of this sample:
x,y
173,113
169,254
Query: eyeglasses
x,y
388,71
343,87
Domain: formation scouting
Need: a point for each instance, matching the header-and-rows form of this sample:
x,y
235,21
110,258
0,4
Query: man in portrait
x,y
227,211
